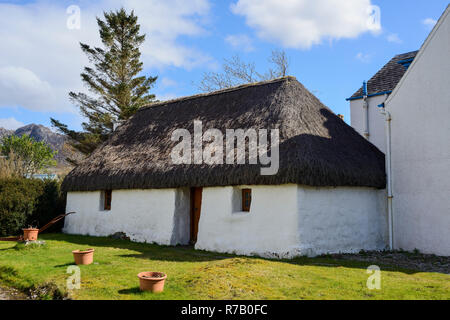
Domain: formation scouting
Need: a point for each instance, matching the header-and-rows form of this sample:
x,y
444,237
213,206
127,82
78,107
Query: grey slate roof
x,y
387,78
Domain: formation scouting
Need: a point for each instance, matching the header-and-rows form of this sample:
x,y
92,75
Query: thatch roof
x,y
317,148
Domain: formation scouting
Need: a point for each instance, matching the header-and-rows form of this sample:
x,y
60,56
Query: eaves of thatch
x,y
317,148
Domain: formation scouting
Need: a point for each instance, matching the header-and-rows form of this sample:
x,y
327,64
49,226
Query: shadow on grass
x,y
21,246
65,265
7,271
13,245
189,254
346,263
134,290
144,250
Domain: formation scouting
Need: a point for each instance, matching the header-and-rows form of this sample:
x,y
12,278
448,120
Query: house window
x,y
246,199
106,200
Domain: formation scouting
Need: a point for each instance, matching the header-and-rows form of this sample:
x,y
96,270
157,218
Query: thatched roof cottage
x,y
325,195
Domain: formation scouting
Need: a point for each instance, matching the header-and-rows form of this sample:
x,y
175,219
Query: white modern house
x,y
365,115
328,194
419,109
413,128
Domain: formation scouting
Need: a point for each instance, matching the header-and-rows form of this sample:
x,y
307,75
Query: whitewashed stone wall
x,y
343,219
284,221
269,229
157,215
290,220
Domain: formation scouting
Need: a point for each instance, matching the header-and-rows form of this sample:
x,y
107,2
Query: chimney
x,y
341,116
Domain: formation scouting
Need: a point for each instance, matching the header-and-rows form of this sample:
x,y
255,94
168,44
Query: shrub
x,y
10,166
31,156
46,291
18,200
25,202
51,203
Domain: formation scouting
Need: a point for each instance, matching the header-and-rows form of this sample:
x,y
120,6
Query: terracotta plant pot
x,y
152,281
30,234
83,256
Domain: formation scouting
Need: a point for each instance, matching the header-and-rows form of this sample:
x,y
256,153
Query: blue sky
x,y
331,55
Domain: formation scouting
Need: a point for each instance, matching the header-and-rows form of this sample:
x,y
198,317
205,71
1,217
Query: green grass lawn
x,y
204,275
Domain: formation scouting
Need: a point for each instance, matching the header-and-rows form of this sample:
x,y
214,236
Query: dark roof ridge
x,y
406,53
217,92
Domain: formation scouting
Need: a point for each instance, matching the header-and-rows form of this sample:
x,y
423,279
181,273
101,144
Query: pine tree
x,y
113,79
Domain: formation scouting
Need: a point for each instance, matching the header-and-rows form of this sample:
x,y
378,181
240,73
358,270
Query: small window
x,y
106,199
246,199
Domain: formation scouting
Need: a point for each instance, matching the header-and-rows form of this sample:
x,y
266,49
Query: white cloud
x,y
304,23
166,96
168,82
240,41
41,60
429,22
21,87
42,56
394,38
164,22
10,123
364,57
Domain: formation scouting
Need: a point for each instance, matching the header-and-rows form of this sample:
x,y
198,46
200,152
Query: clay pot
x,y
83,256
30,234
152,281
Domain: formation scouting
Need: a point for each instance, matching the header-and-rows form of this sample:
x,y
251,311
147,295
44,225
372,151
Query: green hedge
x,y
28,202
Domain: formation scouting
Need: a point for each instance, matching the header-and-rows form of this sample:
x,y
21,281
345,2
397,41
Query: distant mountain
x,y
41,133
4,132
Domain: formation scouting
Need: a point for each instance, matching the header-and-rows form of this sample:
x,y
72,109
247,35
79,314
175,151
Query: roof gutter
x,y
406,62
369,95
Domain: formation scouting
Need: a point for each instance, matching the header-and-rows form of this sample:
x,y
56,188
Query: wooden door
x,y
196,208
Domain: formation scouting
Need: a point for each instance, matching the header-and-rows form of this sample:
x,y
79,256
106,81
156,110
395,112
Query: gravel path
x,y
407,260
11,294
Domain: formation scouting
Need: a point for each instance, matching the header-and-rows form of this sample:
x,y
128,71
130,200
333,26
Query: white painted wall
x,y
157,215
377,134
420,109
343,219
269,229
284,221
290,220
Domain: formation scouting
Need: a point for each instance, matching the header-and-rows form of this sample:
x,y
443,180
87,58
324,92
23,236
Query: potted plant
x,y
30,233
152,281
83,256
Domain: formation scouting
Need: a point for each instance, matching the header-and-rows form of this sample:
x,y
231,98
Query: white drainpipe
x,y
387,117
365,112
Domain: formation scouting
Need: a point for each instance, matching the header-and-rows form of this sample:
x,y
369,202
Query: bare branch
x,y
236,72
281,62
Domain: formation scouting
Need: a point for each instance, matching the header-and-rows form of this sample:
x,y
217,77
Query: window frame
x,y
106,200
246,194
